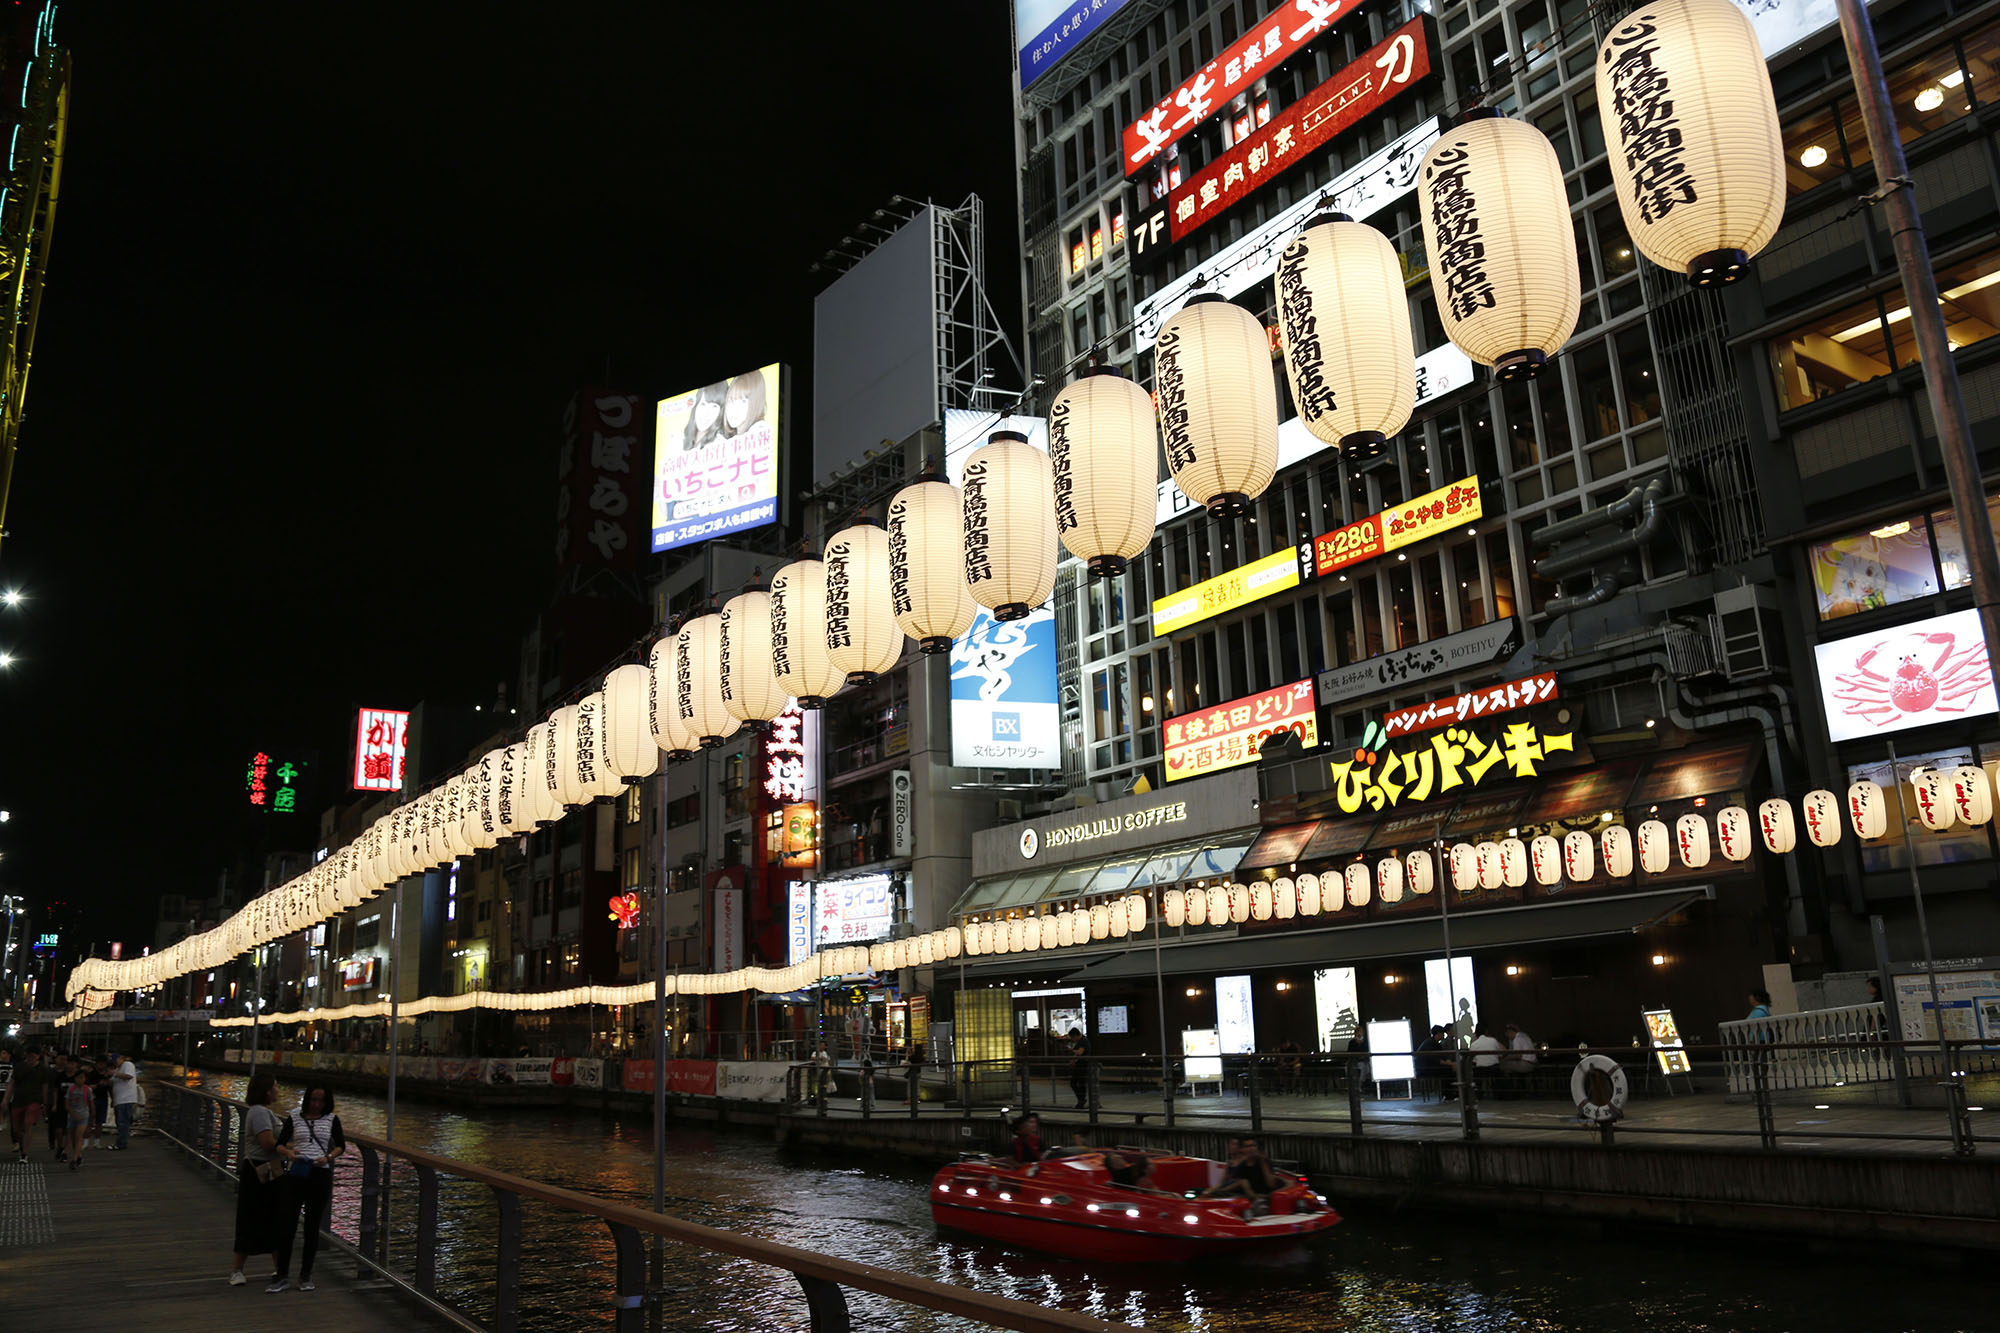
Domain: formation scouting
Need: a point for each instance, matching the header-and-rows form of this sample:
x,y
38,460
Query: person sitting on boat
x,y
1130,1168
1028,1138
1250,1174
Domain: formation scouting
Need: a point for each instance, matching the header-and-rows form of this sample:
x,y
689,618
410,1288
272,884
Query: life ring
x,y
1599,1087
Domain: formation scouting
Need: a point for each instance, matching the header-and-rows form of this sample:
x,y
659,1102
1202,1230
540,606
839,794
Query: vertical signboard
x,y
727,917
900,814
601,480
798,921
1003,694
715,458
1235,1018
380,737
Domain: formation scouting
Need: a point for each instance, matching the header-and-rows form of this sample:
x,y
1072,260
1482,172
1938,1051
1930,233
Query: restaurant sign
x,y
1210,739
1466,650
1535,689
1402,525
1226,592
1447,763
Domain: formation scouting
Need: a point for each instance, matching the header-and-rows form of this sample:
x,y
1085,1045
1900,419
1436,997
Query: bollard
x,y
867,1088
1468,1091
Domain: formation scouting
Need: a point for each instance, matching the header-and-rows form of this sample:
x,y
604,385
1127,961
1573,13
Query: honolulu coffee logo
x,y
1030,844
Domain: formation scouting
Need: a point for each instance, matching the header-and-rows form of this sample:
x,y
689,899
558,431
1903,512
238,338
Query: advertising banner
x,y
726,946
589,1073
695,1078
798,921
459,1070
1466,650
1535,689
1914,675
562,1071
901,834
1230,733
850,911
1003,693
1337,1007
758,1081
1226,592
1047,30
1400,62
1410,522
421,1067
1450,763
1235,1018
532,1071
715,458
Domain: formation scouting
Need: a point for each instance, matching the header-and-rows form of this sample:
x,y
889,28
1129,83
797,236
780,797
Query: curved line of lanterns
x,y
1695,151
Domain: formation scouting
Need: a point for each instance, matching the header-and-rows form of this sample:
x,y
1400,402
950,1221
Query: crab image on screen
x,y
1910,673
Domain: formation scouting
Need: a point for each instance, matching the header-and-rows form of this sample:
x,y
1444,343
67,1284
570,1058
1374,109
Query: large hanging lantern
x,y
593,765
540,798
750,689
1492,869
1260,900
482,823
1696,155
629,750
1777,826
1732,833
1010,526
1218,403
1821,812
862,638
1100,921
1930,791
1972,794
1545,856
1653,846
1218,904
1135,913
1579,857
1048,932
1496,228
798,633
669,732
1421,872
1691,840
1350,356
1867,808
1195,910
698,681
1104,455
927,592
1173,906
1615,842
1239,904
560,773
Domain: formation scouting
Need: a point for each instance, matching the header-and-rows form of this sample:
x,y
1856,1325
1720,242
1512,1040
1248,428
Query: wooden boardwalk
x,y
144,1235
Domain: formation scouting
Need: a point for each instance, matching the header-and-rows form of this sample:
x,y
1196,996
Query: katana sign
x,y
1536,689
1290,27
1407,523
1395,66
1230,734
1446,764
1467,650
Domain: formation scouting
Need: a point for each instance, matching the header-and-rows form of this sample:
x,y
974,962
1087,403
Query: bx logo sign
x,y
1006,726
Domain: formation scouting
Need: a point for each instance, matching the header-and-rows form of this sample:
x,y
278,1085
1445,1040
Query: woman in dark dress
x,y
258,1199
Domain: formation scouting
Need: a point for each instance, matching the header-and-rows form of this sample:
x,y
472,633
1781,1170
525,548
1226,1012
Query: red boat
x,y
1070,1206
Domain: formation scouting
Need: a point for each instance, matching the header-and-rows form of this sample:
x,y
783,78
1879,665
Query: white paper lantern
x,y
798,634
1239,904
1691,840
698,681
1389,879
1309,895
1513,862
927,950
1359,889
1615,843
750,689
1350,356
1464,867
1218,904
1696,155
1655,846
1048,932
1421,873
1732,833
1491,197
1777,826
862,638
1218,403
1100,921
927,592
1196,908
1135,912
1821,813
1579,861
629,747
1010,526
560,773
1868,810
1284,898
973,938
594,771
1260,900
1120,923
1173,906
537,792
663,717
1104,457
1492,870
1971,795
954,941
1545,856
1930,792
482,824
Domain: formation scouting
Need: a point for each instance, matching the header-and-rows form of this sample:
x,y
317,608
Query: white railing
x,y
1839,1064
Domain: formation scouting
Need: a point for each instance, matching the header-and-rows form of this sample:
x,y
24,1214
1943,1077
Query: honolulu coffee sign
x,y
1219,804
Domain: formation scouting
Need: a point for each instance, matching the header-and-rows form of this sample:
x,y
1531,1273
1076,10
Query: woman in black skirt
x,y
314,1134
258,1200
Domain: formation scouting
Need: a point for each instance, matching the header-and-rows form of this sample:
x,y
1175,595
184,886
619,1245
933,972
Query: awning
x,y
1500,927
1279,845
1126,873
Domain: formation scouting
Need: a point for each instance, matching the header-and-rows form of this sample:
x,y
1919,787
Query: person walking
x,y
259,1194
55,1122
26,1092
100,1090
316,1137
124,1098
1079,1066
77,1103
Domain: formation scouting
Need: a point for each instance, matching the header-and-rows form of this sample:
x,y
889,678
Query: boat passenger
x,y
1028,1138
1250,1174
1130,1168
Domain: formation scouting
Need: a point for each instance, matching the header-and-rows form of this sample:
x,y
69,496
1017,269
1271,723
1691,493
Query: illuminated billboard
x,y
381,739
715,458
851,911
1410,522
1003,693
1914,675
1228,735
1047,30
1226,592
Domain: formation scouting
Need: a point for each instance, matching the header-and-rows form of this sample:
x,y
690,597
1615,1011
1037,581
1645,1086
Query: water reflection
x,y
1377,1273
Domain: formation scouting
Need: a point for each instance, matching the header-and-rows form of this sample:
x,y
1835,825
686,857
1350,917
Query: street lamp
x,y
11,597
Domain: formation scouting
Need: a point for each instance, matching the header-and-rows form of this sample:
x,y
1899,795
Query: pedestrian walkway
x,y
141,1236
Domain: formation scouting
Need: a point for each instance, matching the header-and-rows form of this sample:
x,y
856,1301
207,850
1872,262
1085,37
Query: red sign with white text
x,y
1411,521
1235,71
1393,67
1229,734
693,1077
1536,689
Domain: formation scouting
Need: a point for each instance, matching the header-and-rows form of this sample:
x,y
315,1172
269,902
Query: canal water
x,y
1375,1273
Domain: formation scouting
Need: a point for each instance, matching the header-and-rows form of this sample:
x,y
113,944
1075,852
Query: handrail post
x,y
507,1262
916,1087
1167,1087
631,1304
826,1303
1027,1087
1256,1098
1767,1126
371,1187
427,1223
1093,1078
1353,1100
867,1086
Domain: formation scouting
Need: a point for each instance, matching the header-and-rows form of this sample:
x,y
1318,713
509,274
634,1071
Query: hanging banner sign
x,y
1407,523
1536,689
1466,650
1229,734
1446,764
1226,592
1399,63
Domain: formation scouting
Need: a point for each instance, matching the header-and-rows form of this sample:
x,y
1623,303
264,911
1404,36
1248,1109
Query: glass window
x,y
1834,352
1596,401
1951,546
1642,386
1813,151
1471,588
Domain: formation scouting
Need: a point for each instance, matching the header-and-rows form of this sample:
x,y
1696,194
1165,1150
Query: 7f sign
x,y
380,738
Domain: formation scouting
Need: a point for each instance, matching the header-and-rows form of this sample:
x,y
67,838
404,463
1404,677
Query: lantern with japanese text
x,y
1389,878
1358,888
1218,403
698,681
1309,895
1545,856
1010,526
927,592
1120,919
1349,352
1491,869
1173,906
973,938
862,638
1972,794
1284,898
629,749
1104,455
798,634
1487,191
1930,791
1100,921
1820,811
1579,856
1464,867
1260,900
1615,845
669,732
1696,156
1017,936
1777,826
1421,873
1513,862
563,778
1732,833
537,794
1218,904
1654,846
954,941
593,766
1195,909
482,825
1691,840
750,689
1867,809
1135,912
1058,932
1239,904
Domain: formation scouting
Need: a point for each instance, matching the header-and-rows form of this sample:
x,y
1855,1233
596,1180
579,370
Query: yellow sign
x,y
1441,763
1226,592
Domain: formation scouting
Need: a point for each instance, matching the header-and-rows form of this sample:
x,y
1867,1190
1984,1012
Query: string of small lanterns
x,y
1700,184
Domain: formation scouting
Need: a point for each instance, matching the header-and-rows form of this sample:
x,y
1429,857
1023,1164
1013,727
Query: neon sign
x,y
272,786
625,910
1453,758
380,739
1229,734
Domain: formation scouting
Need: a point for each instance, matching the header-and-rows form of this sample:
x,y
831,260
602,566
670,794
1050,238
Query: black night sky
x,y
322,279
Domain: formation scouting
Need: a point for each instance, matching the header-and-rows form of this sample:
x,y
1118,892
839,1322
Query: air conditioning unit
x,y
1749,635
1007,811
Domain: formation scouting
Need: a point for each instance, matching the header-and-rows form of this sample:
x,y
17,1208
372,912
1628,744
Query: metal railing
x,y
210,1128
1843,1047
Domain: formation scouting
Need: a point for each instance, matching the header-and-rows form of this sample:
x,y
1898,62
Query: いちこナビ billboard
x,y
716,458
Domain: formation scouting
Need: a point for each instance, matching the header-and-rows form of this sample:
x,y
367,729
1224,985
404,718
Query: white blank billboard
x,y
875,350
